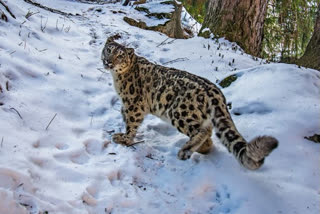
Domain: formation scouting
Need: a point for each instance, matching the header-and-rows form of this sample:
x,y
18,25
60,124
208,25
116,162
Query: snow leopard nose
x,y
108,63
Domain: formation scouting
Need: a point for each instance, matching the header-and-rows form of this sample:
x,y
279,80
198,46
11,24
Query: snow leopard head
x,y
117,57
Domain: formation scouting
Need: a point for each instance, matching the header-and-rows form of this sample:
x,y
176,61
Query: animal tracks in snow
x,y
91,147
252,108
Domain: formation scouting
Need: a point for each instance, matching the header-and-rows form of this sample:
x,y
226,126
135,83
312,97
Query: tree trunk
x,y
238,21
311,57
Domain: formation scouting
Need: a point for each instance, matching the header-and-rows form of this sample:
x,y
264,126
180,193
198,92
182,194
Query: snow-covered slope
x,y
53,67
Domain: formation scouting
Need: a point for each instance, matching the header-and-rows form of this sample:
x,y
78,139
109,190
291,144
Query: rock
x,y
205,33
315,138
135,23
226,82
139,2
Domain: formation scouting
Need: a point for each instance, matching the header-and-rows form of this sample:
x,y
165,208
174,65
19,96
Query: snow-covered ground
x,y
53,67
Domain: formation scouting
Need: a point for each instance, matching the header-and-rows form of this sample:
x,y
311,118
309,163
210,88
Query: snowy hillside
x,y
58,110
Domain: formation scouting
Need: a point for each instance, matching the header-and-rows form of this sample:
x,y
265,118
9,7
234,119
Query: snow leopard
x,y
192,104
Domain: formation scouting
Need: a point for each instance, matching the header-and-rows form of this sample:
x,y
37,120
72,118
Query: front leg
x,y
133,117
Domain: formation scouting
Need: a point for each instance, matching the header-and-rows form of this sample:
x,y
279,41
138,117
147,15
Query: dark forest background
x,y
288,25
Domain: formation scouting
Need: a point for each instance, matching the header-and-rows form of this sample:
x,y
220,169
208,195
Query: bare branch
x,y
43,27
7,8
176,60
30,13
41,50
135,143
48,8
163,42
51,121
7,86
172,41
17,112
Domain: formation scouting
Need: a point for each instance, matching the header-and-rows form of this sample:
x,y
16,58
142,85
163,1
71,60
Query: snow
x,y
189,22
73,167
155,7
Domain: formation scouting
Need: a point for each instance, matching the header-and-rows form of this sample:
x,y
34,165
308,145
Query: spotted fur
x,y
190,103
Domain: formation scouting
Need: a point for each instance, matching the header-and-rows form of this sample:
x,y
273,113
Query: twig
x,y
101,69
43,27
25,205
163,42
176,60
22,23
110,131
150,156
51,121
7,86
135,143
2,142
172,41
57,24
91,120
7,8
41,50
48,8
30,13
67,29
100,77
3,16
17,112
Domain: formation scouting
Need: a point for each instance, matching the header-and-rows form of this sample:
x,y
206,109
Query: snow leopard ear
x,y
130,51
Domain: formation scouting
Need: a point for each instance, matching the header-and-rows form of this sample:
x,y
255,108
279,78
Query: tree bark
x,y
238,21
311,57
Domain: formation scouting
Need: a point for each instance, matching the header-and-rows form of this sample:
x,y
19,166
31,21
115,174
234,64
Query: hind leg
x,y
198,142
206,147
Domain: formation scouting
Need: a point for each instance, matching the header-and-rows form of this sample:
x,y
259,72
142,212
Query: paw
x,y
184,154
121,138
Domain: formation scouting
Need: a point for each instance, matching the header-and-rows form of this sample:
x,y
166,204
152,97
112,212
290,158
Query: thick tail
x,y
251,155
256,150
